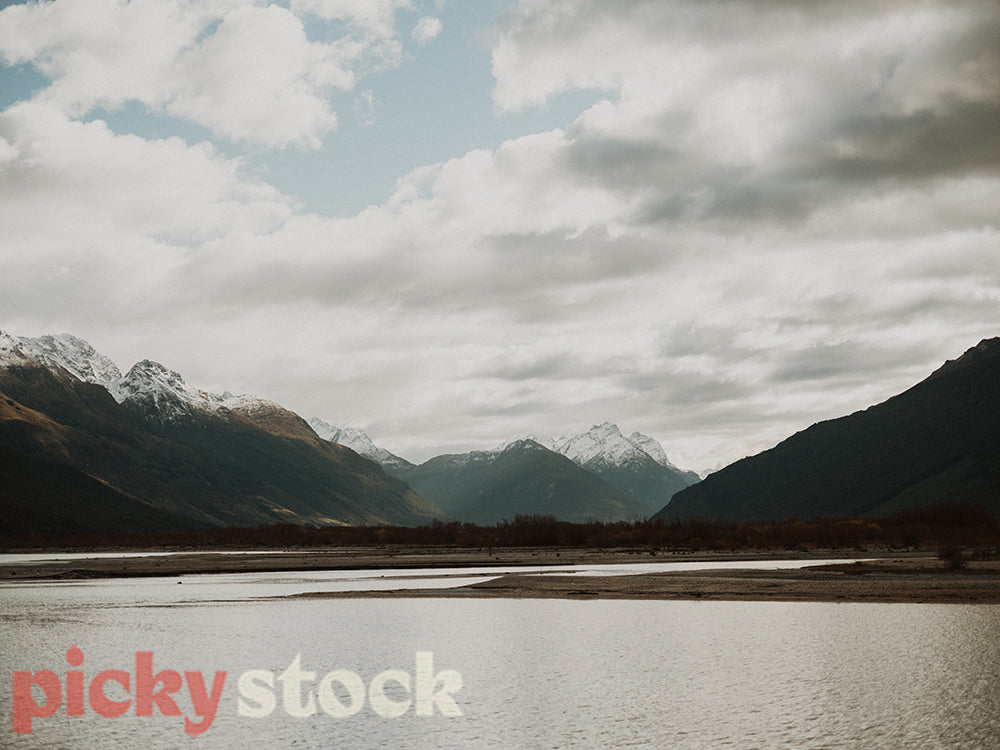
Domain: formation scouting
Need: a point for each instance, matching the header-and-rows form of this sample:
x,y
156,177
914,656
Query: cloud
x,y
427,29
736,114
101,184
100,224
247,71
258,79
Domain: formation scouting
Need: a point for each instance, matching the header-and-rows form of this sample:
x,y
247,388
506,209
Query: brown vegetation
x,y
949,526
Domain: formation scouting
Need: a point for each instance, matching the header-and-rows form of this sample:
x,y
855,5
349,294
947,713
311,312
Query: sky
x,y
454,222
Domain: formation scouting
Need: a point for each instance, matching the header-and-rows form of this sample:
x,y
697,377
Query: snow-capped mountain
x,y
542,440
522,478
149,389
72,354
160,393
602,446
357,441
634,471
148,385
652,447
150,451
633,483
636,465
11,351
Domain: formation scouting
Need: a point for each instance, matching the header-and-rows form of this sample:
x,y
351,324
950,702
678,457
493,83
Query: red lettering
x,y
100,702
25,708
146,681
204,705
74,683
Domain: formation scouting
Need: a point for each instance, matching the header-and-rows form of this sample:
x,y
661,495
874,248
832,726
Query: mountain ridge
x,y
524,478
202,458
937,441
629,472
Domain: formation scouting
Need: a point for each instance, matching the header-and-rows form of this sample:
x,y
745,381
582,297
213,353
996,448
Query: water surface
x,y
537,673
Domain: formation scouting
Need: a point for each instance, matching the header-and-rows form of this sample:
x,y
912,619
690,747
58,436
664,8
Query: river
x,y
532,673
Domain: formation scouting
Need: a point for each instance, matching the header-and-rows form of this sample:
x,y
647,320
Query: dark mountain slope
x,y
202,468
643,480
937,442
71,501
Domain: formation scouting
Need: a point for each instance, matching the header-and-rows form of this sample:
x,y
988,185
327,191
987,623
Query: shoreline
x,y
917,577
150,563
916,581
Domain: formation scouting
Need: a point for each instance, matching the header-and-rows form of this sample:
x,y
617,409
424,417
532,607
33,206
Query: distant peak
x,y
147,370
651,446
164,390
602,443
522,444
11,351
355,439
65,351
545,442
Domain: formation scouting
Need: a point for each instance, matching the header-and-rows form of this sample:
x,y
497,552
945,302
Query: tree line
x,y
951,525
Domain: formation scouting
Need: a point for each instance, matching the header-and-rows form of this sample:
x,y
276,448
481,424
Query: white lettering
x,y
329,700
256,685
428,692
291,680
382,703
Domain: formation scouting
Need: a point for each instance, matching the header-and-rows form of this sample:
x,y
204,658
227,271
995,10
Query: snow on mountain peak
x,y
545,442
355,439
326,430
79,358
11,350
164,390
602,444
652,447
523,444
247,404
72,354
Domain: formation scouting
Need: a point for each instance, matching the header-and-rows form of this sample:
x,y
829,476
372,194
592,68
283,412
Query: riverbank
x,y
896,580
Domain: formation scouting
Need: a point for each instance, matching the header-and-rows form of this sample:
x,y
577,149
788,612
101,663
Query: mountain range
x,y
597,475
523,478
87,449
937,442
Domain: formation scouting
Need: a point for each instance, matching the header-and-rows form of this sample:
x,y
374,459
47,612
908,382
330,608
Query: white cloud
x,y
102,54
427,29
98,224
102,184
257,78
242,68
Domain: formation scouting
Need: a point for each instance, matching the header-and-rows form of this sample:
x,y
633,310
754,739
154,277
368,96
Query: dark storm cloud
x,y
848,116
923,145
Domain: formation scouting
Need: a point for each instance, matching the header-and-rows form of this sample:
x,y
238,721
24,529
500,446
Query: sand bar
x,y
909,577
913,580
